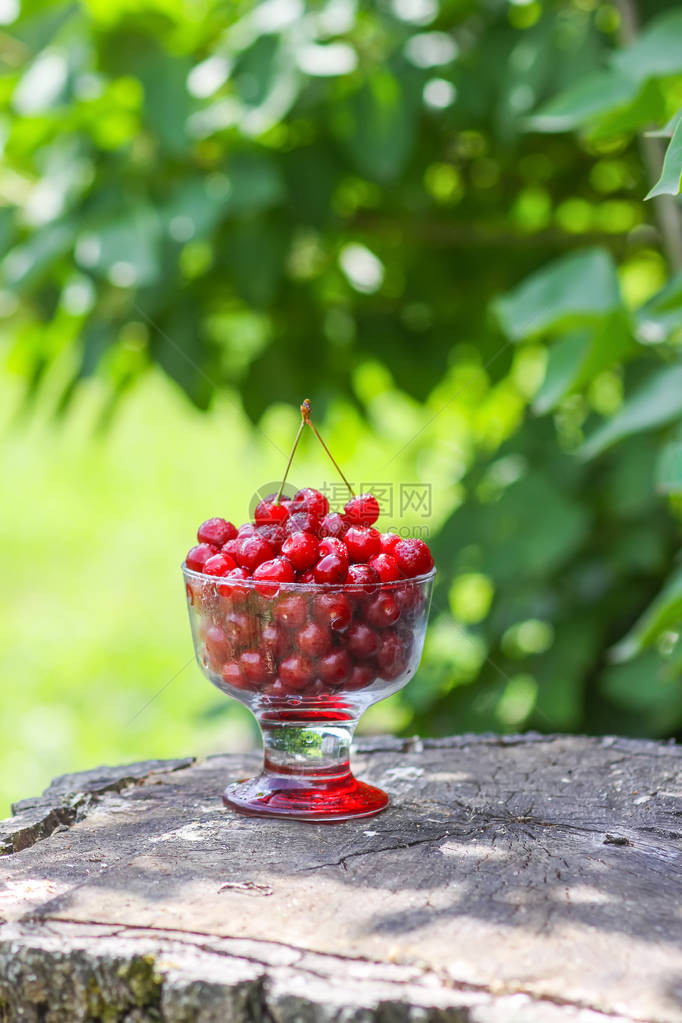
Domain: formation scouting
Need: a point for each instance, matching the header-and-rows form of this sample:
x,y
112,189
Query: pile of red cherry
x,y
351,625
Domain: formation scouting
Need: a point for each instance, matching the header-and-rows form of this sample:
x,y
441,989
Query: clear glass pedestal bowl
x,y
307,660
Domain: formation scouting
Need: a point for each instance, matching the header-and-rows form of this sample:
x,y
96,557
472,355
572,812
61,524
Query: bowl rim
x,y
297,587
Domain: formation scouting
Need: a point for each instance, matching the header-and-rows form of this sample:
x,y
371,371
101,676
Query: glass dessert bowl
x,y
308,660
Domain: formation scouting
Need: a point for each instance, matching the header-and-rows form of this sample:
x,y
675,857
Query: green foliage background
x,y
428,216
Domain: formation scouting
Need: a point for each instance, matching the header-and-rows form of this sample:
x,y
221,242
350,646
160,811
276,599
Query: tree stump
x,y
512,880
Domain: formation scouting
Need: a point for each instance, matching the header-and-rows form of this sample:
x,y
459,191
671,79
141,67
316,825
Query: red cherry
x,y
296,672
231,547
301,549
334,525
232,675
361,641
409,598
269,511
219,564
273,533
218,647
363,578
413,557
313,640
360,677
332,545
256,667
253,551
388,542
248,529
386,566
392,657
231,590
362,542
383,611
199,555
333,609
306,577
274,640
216,531
362,510
270,573
331,569
335,667
310,500
291,609
302,521
237,628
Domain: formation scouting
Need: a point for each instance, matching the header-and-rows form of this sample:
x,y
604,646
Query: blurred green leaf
x,y
646,687
669,469
262,71
528,532
562,670
668,129
657,402
125,249
254,258
28,263
576,359
253,183
193,210
591,97
665,612
657,51
671,175
167,101
377,123
662,313
625,96
563,367
579,288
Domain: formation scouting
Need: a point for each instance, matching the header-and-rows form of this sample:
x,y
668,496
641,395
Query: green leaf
x,y
671,175
377,124
662,314
192,211
167,101
657,402
254,256
563,365
125,249
530,531
668,129
626,95
579,288
664,612
647,106
593,96
577,358
657,51
646,687
562,670
25,265
254,183
669,469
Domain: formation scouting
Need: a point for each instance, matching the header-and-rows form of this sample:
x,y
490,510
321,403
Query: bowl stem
x,y
306,772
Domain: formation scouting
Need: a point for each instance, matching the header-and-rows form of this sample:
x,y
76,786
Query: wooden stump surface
x,y
512,880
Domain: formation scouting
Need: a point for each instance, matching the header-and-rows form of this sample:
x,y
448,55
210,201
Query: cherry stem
x,y
307,421
305,412
335,463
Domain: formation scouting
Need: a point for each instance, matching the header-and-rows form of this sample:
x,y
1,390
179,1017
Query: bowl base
x,y
304,799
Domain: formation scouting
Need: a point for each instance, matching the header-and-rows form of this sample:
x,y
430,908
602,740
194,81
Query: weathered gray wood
x,y
513,880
